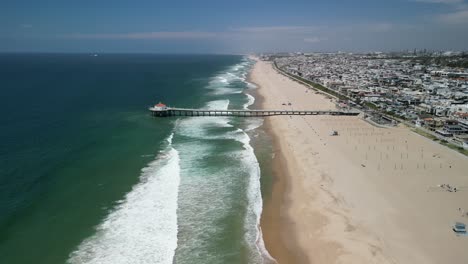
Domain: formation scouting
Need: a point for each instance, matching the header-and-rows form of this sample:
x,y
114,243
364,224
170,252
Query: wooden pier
x,y
167,112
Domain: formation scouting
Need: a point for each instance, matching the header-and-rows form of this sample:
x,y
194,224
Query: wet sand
x,y
272,222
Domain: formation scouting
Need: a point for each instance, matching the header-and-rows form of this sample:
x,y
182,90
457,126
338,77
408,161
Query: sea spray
x,y
254,192
253,237
143,226
212,214
251,123
78,202
253,232
220,186
209,189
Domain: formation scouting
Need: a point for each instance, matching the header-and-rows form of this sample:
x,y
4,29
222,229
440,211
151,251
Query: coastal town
x,y
426,90
344,185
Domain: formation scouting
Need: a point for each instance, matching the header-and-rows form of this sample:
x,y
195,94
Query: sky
x,y
241,26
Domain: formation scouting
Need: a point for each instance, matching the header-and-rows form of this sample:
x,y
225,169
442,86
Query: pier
x,y
168,112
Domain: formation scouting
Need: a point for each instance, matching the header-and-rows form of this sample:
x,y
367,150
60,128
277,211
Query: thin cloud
x,y
148,35
381,27
232,32
459,17
313,39
273,29
441,1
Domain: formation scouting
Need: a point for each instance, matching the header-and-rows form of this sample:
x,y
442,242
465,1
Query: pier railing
x,y
167,112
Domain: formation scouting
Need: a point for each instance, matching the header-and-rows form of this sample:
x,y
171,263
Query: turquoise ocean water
x,y
87,176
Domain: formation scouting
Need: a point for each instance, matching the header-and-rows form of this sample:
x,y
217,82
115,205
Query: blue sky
x,y
208,26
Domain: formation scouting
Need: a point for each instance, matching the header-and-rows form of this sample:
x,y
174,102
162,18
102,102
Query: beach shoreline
x,y
331,194
273,222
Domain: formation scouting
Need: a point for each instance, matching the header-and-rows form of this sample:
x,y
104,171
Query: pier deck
x,y
167,112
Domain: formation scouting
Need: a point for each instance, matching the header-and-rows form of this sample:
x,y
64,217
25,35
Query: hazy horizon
x,y
240,27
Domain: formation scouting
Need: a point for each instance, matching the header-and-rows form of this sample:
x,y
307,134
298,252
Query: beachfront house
x,y
451,127
461,140
431,123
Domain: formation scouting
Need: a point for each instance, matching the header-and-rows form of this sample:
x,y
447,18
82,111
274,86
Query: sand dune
x,y
369,195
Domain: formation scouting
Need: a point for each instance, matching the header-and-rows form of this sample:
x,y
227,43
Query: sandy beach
x,y
368,195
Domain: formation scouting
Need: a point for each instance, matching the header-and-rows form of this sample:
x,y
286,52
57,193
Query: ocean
x,y
88,176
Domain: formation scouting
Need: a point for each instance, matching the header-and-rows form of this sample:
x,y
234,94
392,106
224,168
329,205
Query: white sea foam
x,y
223,79
218,105
252,224
255,238
143,227
226,91
201,184
198,127
222,84
252,123
169,138
204,204
253,232
250,101
205,199
251,85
